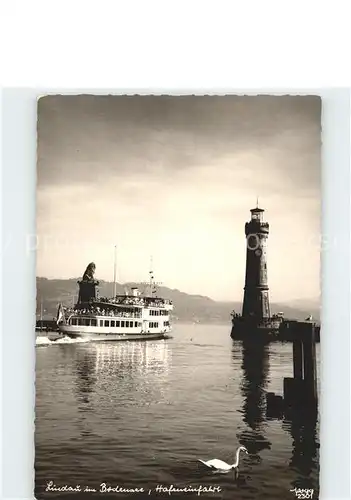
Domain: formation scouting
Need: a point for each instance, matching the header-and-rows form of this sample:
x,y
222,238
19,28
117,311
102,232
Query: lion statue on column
x,y
89,272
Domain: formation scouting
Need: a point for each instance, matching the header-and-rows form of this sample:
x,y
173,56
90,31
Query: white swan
x,y
221,466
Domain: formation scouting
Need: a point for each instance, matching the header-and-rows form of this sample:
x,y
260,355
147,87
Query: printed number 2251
x,y
302,494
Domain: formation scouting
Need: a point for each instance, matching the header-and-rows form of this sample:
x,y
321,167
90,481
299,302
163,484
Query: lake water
x,y
140,415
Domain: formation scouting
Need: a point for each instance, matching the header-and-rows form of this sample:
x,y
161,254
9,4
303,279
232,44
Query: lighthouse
x,y
256,299
256,315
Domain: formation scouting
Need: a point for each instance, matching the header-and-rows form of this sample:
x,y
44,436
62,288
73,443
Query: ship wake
x,y
43,341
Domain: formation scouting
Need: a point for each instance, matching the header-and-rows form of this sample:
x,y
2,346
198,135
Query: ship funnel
x,y
135,291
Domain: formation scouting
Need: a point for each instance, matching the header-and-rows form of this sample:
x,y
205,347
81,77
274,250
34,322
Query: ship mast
x,y
150,274
152,282
114,272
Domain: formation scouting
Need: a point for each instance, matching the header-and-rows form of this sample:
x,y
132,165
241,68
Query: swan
x,y
221,466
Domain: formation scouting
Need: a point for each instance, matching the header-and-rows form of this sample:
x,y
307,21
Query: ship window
x,y
107,323
136,323
74,321
101,322
122,324
117,323
127,324
93,322
112,323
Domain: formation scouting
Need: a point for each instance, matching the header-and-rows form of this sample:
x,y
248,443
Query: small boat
x,y
45,325
132,316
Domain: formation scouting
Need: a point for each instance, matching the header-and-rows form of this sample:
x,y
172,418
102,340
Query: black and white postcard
x,y
178,297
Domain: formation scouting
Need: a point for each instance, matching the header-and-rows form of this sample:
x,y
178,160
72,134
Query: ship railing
x,y
126,300
96,312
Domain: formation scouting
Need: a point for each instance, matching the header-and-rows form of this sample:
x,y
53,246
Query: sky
x,y
175,177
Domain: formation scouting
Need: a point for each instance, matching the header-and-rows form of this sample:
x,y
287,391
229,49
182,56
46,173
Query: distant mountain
x,y
198,308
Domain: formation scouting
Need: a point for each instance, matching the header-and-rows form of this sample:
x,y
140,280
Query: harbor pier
x,y
300,391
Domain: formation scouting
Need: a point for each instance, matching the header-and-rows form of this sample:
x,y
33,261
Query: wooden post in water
x,y
301,390
309,364
297,358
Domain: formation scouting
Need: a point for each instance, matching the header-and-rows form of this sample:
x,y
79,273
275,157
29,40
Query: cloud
x,y
175,177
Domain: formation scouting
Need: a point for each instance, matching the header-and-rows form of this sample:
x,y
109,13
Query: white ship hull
x,y
97,334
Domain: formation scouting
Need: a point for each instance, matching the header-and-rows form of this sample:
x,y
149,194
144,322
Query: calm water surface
x,y
140,414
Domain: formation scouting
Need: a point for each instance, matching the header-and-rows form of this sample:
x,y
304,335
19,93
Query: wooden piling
x,y
294,391
309,364
300,391
297,358
274,405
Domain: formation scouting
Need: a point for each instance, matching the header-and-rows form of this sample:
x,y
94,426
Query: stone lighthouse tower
x,y
256,300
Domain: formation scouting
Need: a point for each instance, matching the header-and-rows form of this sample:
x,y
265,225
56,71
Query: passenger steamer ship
x,y
122,317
